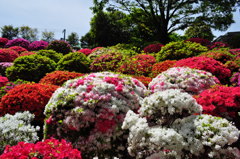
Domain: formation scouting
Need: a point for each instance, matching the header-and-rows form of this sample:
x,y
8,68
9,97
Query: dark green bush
x,y
30,68
179,50
60,46
74,62
53,55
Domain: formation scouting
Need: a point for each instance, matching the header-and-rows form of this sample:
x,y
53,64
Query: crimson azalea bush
x,y
59,46
143,79
18,42
18,49
3,42
3,81
4,66
159,67
8,55
217,45
47,149
207,64
153,48
53,55
59,77
38,45
30,97
203,42
27,53
85,51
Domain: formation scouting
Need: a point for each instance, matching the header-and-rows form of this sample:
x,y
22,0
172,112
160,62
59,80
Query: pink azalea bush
x,y
3,81
85,51
38,45
18,42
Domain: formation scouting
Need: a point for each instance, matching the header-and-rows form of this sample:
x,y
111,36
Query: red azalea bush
x,y
47,149
143,79
148,58
27,53
217,45
3,42
8,55
159,67
207,64
18,49
3,81
18,42
153,48
85,51
59,77
38,45
203,42
30,97
221,101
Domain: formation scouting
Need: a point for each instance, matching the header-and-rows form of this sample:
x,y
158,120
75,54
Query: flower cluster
x,y
8,55
38,45
4,66
85,51
233,65
59,77
3,42
18,42
59,46
201,41
235,79
235,51
18,49
27,53
186,79
88,112
207,64
153,48
48,149
143,79
3,81
27,97
217,45
159,67
16,128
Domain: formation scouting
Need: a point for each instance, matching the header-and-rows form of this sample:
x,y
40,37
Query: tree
x,y
28,33
47,36
9,32
168,16
73,39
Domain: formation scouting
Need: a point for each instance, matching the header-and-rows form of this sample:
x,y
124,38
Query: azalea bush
x,y
89,111
59,77
98,51
192,81
217,45
53,55
18,49
207,64
143,79
233,65
50,148
85,51
235,79
8,55
3,81
16,128
203,42
38,45
30,68
59,46
159,67
4,66
18,42
3,42
27,53
153,48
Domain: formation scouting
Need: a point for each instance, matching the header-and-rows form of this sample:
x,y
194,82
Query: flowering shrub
x,y
74,62
85,51
235,51
30,68
97,52
166,128
18,49
179,50
59,46
159,67
4,66
233,65
59,77
27,53
96,48
47,149
203,42
153,48
8,55
3,42
16,128
189,80
18,42
235,79
107,62
3,81
217,45
38,45
88,112
30,97
143,79
207,64
53,55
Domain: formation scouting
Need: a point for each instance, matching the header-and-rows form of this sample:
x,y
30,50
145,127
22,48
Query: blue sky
x,y
56,15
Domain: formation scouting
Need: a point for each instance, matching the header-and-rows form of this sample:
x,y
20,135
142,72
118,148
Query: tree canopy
x,y
9,32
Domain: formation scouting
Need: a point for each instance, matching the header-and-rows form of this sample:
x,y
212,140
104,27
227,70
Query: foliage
x,y
3,42
4,66
73,39
8,55
47,36
9,32
59,46
27,53
38,45
53,55
203,42
28,33
59,77
85,51
153,48
179,50
18,42
30,68
74,62
233,65
159,67
217,45
18,49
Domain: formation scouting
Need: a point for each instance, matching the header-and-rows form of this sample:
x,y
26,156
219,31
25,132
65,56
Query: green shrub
x,y
60,46
179,50
30,68
74,62
53,55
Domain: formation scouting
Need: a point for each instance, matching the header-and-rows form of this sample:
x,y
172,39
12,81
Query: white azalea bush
x,y
16,128
166,128
89,111
192,81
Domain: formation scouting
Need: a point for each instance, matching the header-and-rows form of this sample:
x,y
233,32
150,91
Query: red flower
x,y
3,81
85,51
153,48
18,49
159,67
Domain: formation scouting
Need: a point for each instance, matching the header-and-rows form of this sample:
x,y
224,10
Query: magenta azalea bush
x,y
3,42
217,45
38,45
85,51
153,48
18,42
201,41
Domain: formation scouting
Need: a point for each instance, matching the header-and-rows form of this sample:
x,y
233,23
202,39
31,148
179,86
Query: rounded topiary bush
x,y
179,50
18,42
85,51
59,77
59,46
18,49
8,55
4,66
89,111
74,62
30,68
153,48
3,42
159,67
38,45
207,64
53,55
30,97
